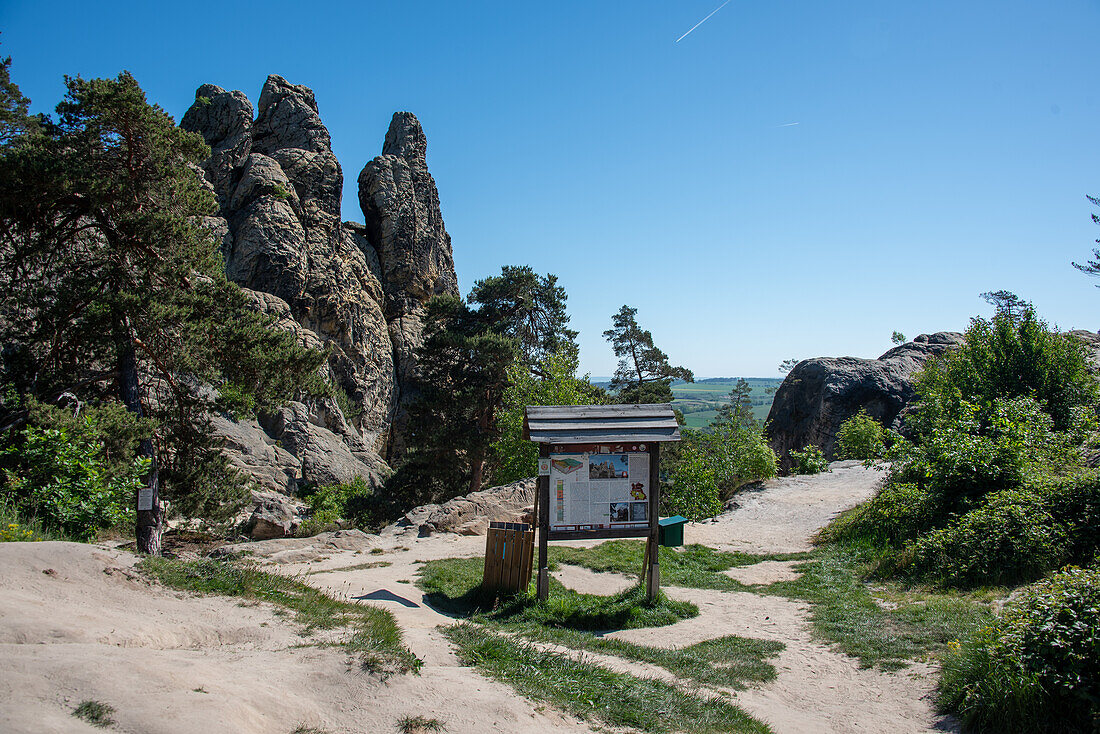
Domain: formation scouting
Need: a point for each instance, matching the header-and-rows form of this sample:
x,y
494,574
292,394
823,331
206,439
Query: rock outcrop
x,y
356,290
820,394
400,205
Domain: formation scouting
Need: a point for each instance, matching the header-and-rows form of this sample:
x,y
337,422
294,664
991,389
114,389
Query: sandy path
x,y
93,630
84,633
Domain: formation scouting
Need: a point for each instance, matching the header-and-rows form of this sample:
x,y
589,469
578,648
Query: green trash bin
x,y
670,531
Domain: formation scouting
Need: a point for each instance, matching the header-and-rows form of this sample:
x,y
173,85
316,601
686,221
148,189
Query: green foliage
x,y
373,632
95,713
896,515
331,502
463,373
693,490
1012,355
529,309
553,382
62,481
1009,538
706,468
738,411
1092,267
595,693
1037,669
644,374
897,338
110,290
810,460
860,437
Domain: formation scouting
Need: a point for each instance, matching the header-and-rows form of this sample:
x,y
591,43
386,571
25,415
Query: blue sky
x,y
942,148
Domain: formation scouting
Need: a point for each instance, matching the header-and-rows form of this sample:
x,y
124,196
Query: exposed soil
x,y
93,629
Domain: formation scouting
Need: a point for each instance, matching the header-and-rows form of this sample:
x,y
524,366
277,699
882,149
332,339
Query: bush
x,y
693,491
860,437
1013,355
809,460
967,450
1038,668
331,502
895,516
61,482
1011,537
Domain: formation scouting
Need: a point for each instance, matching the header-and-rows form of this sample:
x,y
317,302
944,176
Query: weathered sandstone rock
x,y
820,394
356,290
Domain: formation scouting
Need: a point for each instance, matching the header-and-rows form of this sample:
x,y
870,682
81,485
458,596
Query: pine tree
x,y
110,288
644,374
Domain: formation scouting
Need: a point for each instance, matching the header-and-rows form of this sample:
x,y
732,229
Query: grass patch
x,y
903,624
595,693
694,566
454,585
356,567
375,636
730,661
95,713
417,724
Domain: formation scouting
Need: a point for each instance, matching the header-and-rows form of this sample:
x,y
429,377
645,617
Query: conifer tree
x,y
644,374
111,289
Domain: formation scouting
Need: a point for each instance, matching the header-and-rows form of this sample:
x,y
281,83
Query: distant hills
x,y
699,401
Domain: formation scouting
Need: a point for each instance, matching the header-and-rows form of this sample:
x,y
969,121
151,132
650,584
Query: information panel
x,y
600,489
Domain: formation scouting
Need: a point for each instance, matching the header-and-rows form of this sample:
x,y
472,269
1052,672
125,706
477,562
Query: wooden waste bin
x,y
508,550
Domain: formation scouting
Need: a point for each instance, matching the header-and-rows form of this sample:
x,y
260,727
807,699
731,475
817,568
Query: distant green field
x,y
699,401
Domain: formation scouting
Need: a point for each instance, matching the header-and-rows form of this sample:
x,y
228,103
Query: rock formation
x,y
357,290
820,394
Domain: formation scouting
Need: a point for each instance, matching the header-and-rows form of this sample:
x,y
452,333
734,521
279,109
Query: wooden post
x,y
653,577
542,585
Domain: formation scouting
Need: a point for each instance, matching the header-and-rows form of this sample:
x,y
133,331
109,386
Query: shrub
x,y
1038,668
693,491
860,437
739,454
809,460
62,482
1013,355
331,502
896,515
967,450
1011,537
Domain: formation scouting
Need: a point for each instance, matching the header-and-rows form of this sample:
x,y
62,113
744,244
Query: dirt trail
x,y
95,631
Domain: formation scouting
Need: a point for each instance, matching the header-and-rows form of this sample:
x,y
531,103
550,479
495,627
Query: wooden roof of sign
x,y
559,424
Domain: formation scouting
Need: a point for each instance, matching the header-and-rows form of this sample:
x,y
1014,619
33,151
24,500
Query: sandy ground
x,y
93,630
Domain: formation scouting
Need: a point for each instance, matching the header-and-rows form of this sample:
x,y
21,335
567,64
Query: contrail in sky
x,y
787,124
704,20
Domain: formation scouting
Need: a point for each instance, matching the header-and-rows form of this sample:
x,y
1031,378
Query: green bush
x,y
967,450
1074,502
62,482
739,454
331,502
1013,355
693,491
1011,537
809,460
860,437
895,516
1038,668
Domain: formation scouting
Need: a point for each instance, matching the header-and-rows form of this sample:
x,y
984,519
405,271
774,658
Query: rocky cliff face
x,y
820,394
358,290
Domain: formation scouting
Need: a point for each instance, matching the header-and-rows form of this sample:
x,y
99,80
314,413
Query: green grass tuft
x,y
594,693
417,724
375,636
845,612
95,713
454,586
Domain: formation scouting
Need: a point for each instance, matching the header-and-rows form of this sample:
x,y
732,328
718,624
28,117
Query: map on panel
x,y
593,491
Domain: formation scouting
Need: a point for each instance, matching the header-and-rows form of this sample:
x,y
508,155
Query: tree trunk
x,y
149,522
477,467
